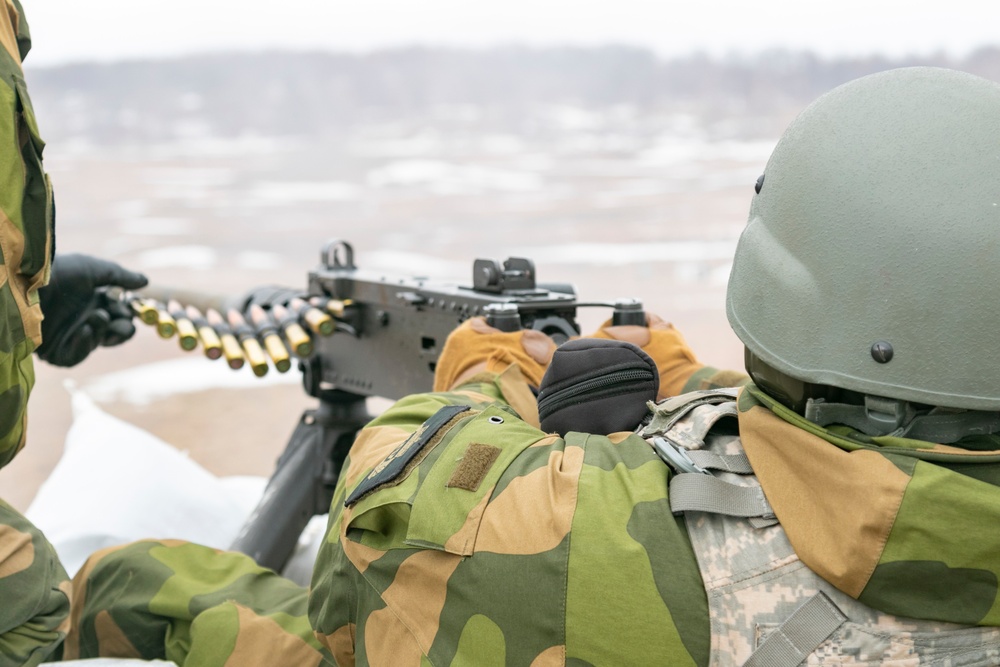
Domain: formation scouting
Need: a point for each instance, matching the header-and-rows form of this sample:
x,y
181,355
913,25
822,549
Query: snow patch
x,y
156,226
618,254
278,193
178,257
117,483
446,178
144,384
259,260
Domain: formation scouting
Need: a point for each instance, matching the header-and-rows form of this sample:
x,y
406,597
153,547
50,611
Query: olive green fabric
x,y
25,237
906,527
708,377
34,588
566,553
34,593
187,603
876,222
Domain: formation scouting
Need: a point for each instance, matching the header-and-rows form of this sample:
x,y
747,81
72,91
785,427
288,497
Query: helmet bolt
x,y
759,184
882,351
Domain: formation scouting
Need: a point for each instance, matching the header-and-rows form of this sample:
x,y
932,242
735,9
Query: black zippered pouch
x,y
594,385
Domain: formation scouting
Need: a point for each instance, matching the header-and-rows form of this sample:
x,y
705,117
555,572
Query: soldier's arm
x,y
34,589
174,600
679,368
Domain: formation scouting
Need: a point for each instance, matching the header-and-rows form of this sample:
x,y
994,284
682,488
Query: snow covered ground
x,y
117,483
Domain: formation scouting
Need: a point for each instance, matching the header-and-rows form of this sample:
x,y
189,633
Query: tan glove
x,y
665,344
475,347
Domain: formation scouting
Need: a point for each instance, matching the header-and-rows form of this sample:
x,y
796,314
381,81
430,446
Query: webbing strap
x,y
697,492
880,416
799,635
682,459
734,463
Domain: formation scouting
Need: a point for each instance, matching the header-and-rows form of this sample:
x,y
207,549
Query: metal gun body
x,y
398,326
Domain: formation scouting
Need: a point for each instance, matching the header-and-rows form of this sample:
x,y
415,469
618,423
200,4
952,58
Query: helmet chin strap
x,y
888,416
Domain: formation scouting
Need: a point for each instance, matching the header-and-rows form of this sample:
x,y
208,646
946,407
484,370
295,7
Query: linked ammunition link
x,y
282,331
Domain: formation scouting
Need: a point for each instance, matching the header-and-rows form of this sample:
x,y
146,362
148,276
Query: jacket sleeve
x,y
34,588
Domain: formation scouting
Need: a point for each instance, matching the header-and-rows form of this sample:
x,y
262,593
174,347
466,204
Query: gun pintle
x,y
209,338
230,346
295,334
187,335
248,341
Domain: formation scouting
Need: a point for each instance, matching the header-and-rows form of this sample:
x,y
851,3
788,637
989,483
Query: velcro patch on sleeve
x,y
399,461
473,467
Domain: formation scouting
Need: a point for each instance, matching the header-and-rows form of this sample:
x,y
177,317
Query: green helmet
x,y
871,259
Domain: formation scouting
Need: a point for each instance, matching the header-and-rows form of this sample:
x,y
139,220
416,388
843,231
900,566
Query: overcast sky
x,y
74,30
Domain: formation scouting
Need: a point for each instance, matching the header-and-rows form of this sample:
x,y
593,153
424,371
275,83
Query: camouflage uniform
x,y
417,579
33,585
460,534
870,532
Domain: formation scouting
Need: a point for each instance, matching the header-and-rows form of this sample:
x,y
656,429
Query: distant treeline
x,y
316,94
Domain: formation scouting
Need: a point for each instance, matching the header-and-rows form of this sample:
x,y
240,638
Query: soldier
x,y
841,509
34,587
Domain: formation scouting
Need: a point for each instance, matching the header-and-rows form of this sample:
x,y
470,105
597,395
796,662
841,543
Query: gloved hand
x,y
475,346
78,313
661,341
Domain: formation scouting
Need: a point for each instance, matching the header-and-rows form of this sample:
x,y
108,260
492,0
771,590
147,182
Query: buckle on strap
x,y
676,457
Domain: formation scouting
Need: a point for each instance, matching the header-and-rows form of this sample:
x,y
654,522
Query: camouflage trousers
x,y
196,606
34,593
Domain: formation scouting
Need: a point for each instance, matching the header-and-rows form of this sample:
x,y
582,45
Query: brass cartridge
x,y
144,309
187,335
314,318
230,346
298,339
210,341
248,341
335,307
267,333
165,324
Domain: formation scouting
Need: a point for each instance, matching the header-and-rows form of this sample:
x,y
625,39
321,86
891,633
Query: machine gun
x,y
389,335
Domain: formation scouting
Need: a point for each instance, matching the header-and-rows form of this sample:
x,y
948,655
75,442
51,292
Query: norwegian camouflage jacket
x,y
482,540
26,233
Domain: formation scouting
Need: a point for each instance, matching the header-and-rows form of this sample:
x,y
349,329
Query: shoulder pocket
x,y
37,208
440,504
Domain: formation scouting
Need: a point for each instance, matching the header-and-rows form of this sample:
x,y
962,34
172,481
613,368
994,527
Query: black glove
x,y
78,313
